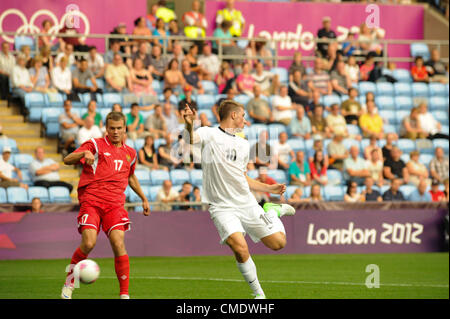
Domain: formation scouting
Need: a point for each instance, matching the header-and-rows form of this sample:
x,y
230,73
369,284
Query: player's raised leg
x,y
245,264
121,261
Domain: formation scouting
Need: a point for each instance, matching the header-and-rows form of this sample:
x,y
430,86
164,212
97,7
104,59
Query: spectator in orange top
x,y
262,197
367,67
141,29
419,71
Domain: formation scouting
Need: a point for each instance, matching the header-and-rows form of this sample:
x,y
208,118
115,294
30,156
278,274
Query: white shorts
x,y
252,220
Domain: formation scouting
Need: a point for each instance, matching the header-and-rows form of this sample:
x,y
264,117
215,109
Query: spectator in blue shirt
x,y
420,194
394,194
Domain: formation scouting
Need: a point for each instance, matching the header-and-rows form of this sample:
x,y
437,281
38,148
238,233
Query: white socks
x,y
248,270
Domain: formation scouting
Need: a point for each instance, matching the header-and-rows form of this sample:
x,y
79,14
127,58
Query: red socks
x,y
78,256
122,266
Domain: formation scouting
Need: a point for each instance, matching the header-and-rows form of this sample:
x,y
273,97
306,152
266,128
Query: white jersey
x,y
224,163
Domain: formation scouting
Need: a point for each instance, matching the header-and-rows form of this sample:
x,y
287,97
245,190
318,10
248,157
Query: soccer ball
x,y
87,271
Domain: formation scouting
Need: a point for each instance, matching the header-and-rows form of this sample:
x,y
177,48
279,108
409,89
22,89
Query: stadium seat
x,y
39,192
3,196
242,98
148,99
289,191
441,116
159,176
34,99
134,198
405,157
437,89
445,129
334,177
365,86
158,142
389,128
419,49
400,116
255,129
21,40
111,98
385,88
425,146
153,192
388,116
406,145
349,142
17,195
253,173
282,73
143,176
157,86
210,87
196,177
334,193
296,144
209,114
4,141
129,99
402,89
419,90
328,100
130,142
385,102
443,143
51,114
22,161
205,101
179,176
425,159
402,75
403,103
53,100
275,130
59,194
138,144
278,175
438,103
407,190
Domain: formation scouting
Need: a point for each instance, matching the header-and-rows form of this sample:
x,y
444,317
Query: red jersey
x,y
437,196
106,179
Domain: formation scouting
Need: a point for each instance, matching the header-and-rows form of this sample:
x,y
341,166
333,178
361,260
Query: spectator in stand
x,y
196,197
173,77
46,39
395,168
393,194
155,123
177,53
430,126
114,48
439,165
371,123
44,171
96,63
410,127
223,33
367,37
300,125
143,54
39,76
69,28
258,49
367,67
141,29
318,169
141,79
47,59
92,111
283,109
36,206
191,56
7,170
191,78
352,70
170,117
26,51
355,167
299,90
267,81
297,197
319,124
80,77
316,193
7,63
262,197
69,124
436,194
224,78
158,63
420,194
148,158
319,80
187,99
436,69
88,130
340,81
370,97
332,58
446,190
258,108
325,33
68,54
316,147
62,80
337,152
194,21
387,148
135,123
297,64
229,13
370,194
313,102
117,76
160,31
351,108
299,171
351,45
209,63
20,79
419,71
164,13
375,167
245,81
185,196
150,19
165,156
165,195
336,122
417,171
262,153
352,195
373,145
283,151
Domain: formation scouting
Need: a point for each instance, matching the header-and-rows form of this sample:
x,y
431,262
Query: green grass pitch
x,y
420,276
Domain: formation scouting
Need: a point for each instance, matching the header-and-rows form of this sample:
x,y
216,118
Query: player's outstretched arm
x,y
189,117
76,157
134,184
261,187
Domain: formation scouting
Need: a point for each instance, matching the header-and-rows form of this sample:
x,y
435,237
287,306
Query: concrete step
x,y
12,118
37,141
26,132
29,148
17,126
69,174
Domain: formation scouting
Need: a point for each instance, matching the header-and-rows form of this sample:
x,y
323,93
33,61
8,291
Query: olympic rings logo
x,y
72,15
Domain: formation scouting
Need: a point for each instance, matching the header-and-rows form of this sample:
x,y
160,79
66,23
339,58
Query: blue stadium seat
x,y
296,144
443,143
425,159
334,193
419,89
205,101
111,98
21,40
402,89
400,115
210,87
129,98
389,128
209,114
406,145
3,196
289,191
388,115
34,99
158,142
196,177
328,100
425,146
59,194
334,177
404,157
353,129
441,117
278,175
282,73
22,161
385,88
253,173
40,192
407,190
437,89
403,103
438,103
134,198
17,195
402,75
153,192
419,49
275,129
159,176
445,129
179,176
51,114
129,142
365,86
138,144
54,100
385,102
143,176
148,99
242,98
157,86
255,129
349,142
26,177
4,141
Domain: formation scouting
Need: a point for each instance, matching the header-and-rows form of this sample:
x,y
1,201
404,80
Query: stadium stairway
x,y
28,137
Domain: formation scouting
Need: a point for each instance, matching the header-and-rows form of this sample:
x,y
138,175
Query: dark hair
x,y
92,47
167,89
349,186
419,57
186,183
136,22
134,104
315,161
169,66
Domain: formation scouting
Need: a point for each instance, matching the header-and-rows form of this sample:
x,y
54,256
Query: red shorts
x,y
92,215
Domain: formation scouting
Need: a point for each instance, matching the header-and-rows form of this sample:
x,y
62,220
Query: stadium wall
x,y
409,227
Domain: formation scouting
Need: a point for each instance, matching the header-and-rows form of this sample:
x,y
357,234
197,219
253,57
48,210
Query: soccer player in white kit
x,y
226,188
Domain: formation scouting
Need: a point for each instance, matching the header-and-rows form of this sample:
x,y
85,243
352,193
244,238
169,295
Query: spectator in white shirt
x,y
267,81
283,150
430,126
209,63
283,109
88,131
165,195
96,63
7,169
68,54
21,80
7,62
62,77
352,69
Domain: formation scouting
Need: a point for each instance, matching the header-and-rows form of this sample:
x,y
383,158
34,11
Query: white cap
x,y
7,149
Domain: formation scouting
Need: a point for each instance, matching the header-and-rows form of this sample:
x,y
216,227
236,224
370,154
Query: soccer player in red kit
x,y
108,167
